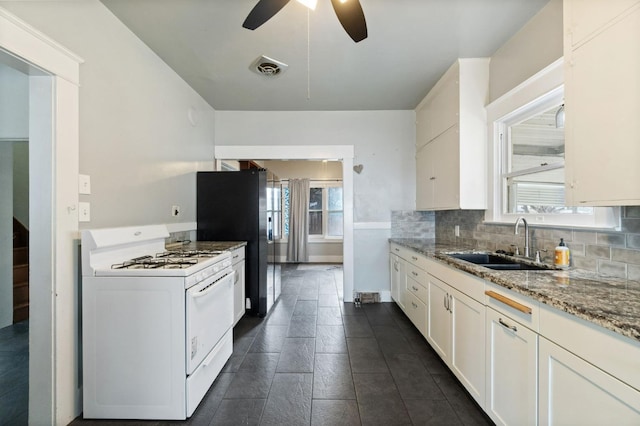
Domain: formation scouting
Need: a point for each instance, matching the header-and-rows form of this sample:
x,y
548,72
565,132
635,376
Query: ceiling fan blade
x,y
351,17
262,12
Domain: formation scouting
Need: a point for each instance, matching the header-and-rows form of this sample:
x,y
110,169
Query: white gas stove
x,y
157,324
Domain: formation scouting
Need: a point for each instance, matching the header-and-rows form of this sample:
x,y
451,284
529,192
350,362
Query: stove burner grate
x,y
149,262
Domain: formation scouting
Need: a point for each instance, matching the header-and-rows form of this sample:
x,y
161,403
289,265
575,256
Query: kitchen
x,y
108,126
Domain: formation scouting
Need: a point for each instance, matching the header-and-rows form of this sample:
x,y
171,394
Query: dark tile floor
x,y
317,361
14,374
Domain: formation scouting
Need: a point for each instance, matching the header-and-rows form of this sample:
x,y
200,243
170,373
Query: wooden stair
x,y
20,272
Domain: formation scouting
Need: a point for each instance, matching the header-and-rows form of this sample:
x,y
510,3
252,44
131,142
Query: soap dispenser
x,y
561,257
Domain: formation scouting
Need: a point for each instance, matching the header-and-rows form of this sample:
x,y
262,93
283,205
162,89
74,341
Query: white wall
x,y
14,104
136,140
536,45
384,143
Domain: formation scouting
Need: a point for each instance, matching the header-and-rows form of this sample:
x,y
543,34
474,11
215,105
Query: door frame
x,y
54,78
344,153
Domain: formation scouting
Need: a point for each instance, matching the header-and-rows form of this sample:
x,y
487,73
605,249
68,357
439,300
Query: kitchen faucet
x,y
526,234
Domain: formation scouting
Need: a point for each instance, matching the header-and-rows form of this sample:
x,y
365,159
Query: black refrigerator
x,y
232,206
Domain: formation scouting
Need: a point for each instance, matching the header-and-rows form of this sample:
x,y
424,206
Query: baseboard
x,y
314,259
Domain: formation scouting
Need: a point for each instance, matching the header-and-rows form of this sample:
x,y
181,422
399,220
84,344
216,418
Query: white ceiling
x,y
410,44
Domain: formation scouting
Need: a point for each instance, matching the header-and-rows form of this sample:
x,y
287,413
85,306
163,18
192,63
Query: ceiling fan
x,y
349,14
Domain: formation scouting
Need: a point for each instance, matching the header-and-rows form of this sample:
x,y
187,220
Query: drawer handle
x,y
236,256
396,249
515,305
414,288
415,274
414,258
510,327
414,305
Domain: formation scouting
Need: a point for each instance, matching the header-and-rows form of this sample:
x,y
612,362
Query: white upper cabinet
x,y
602,102
451,139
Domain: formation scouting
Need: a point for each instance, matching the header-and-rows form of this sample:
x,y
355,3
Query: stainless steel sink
x,y
493,261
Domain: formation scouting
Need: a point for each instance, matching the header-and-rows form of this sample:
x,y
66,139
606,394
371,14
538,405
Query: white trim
x,y
372,225
284,152
182,226
30,45
310,152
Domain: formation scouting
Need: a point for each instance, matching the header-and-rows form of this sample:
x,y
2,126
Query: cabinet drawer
x,y
237,255
465,283
516,306
415,286
399,250
416,310
418,260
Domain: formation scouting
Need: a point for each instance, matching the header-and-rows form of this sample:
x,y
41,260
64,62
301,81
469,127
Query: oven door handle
x,y
208,289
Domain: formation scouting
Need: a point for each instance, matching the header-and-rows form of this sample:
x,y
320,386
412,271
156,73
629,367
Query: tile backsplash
x,y
611,253
413,224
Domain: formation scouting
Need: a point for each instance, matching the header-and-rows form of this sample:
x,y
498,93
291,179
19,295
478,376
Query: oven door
x,y
209,315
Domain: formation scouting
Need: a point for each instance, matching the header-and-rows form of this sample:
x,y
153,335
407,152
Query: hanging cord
x,y
308,55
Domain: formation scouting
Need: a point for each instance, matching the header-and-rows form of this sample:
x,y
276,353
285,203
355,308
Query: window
x,y
325,210
533,171
274,212
529,171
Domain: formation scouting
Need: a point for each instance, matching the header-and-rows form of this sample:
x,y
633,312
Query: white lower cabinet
x,y
524,362
575,392
455,329
397,267
237,259
511,371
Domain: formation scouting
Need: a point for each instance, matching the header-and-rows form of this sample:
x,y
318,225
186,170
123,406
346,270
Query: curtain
x,y
298,220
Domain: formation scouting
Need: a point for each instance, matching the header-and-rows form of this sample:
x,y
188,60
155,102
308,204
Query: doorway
x,y
343,153
14,240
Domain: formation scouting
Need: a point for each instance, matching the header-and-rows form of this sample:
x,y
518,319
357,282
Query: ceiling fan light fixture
x,y
311,4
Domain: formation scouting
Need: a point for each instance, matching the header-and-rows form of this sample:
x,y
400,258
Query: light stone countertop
x,y
612,303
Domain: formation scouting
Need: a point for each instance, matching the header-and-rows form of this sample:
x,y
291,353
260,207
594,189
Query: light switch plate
x,y
84,212
84,184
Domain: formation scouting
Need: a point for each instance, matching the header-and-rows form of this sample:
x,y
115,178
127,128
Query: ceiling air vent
x,y
268,67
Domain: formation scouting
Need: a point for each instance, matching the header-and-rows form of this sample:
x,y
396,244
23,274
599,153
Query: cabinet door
x,y
439,317
398,277
574,392
468,343
511,371
602,109
445,103
446,169
424,177
238,291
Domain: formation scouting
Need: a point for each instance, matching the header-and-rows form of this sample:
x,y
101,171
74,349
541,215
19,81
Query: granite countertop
x,y
612,303
207,245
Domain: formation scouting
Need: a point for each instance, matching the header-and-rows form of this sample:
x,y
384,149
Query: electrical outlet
x,y
84,212
456,230
175,211
84,184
